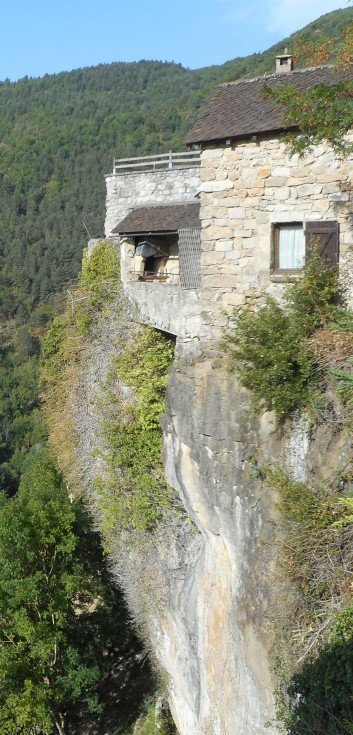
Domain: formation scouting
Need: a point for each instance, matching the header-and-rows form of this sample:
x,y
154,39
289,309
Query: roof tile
x,y
161,218
238,109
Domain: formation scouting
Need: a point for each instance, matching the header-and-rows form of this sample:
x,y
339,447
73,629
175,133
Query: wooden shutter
x,y
322,237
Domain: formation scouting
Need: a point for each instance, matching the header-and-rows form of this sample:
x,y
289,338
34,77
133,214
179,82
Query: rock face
x,y
204,587
222,680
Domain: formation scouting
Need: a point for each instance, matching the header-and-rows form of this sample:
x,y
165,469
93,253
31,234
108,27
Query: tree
x,y
322,113
53,636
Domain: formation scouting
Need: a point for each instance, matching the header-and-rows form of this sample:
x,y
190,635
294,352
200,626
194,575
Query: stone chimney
x,y
284,63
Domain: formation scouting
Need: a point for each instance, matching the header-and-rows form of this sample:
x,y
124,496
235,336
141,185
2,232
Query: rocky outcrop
x,y
225,641
204,587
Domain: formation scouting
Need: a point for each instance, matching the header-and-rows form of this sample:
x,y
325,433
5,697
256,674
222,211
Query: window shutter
x,y
323,237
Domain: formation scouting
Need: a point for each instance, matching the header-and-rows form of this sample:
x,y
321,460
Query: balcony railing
x,y
158,162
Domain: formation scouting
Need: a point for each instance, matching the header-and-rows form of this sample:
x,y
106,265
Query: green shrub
x,y
136,492
322,692
269,347
99,283
156,721
316,685
53,348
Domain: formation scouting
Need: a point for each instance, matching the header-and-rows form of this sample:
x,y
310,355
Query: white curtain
x,y
291,248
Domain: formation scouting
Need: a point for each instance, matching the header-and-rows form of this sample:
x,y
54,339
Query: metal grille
x,y
190,257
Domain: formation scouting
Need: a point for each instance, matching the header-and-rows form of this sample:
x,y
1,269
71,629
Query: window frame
x,y
276,226
311,229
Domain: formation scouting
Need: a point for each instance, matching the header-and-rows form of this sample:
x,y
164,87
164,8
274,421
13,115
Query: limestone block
x,y
230,201
262,218
244,262
250,203
274,181
242,233
223,222
259,184
210,258
211,154
205,223
226,281
224,245
329,178
221,175
220,233
249,174
208,174
237,213
211,186
279,171
234,256
342,196
300,172
330,188
282,193
322,205
264,171
233,299
234,175
307,190
207,246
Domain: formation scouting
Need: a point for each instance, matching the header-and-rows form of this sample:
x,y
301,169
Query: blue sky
x,y
44,37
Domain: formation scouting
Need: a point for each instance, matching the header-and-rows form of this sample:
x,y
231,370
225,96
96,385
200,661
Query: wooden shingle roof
x,y
238,109
163,218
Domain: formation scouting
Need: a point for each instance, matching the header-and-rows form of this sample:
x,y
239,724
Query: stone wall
x,y
129,190
167,307
164,306
245,189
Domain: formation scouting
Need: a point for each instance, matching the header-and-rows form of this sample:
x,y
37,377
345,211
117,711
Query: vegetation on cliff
x,y
63,353
314,617
136,494
133,491
128,493
271,348
299,355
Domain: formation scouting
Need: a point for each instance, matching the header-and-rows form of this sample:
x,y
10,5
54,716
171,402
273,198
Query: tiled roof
x,y
238,109
159,218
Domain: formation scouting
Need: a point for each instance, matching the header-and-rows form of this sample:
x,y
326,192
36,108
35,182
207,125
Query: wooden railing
x,y
158,162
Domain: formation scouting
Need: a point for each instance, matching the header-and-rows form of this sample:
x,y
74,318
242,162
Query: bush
x,y
137,492
269,348
322,693
315,543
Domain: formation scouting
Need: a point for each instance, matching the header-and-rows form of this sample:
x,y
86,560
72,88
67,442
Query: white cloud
x,y
288,16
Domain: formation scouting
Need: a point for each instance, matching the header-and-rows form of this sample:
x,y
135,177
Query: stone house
x,y
260,209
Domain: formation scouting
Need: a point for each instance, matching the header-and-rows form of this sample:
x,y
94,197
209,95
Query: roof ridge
x,y
276,76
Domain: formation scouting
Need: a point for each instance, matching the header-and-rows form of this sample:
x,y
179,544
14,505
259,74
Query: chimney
x,y
284,63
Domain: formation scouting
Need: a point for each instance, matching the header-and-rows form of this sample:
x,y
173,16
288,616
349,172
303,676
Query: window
x,y
289,247
294,242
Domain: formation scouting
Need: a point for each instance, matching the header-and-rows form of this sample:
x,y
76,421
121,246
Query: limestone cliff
x,y
204,587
